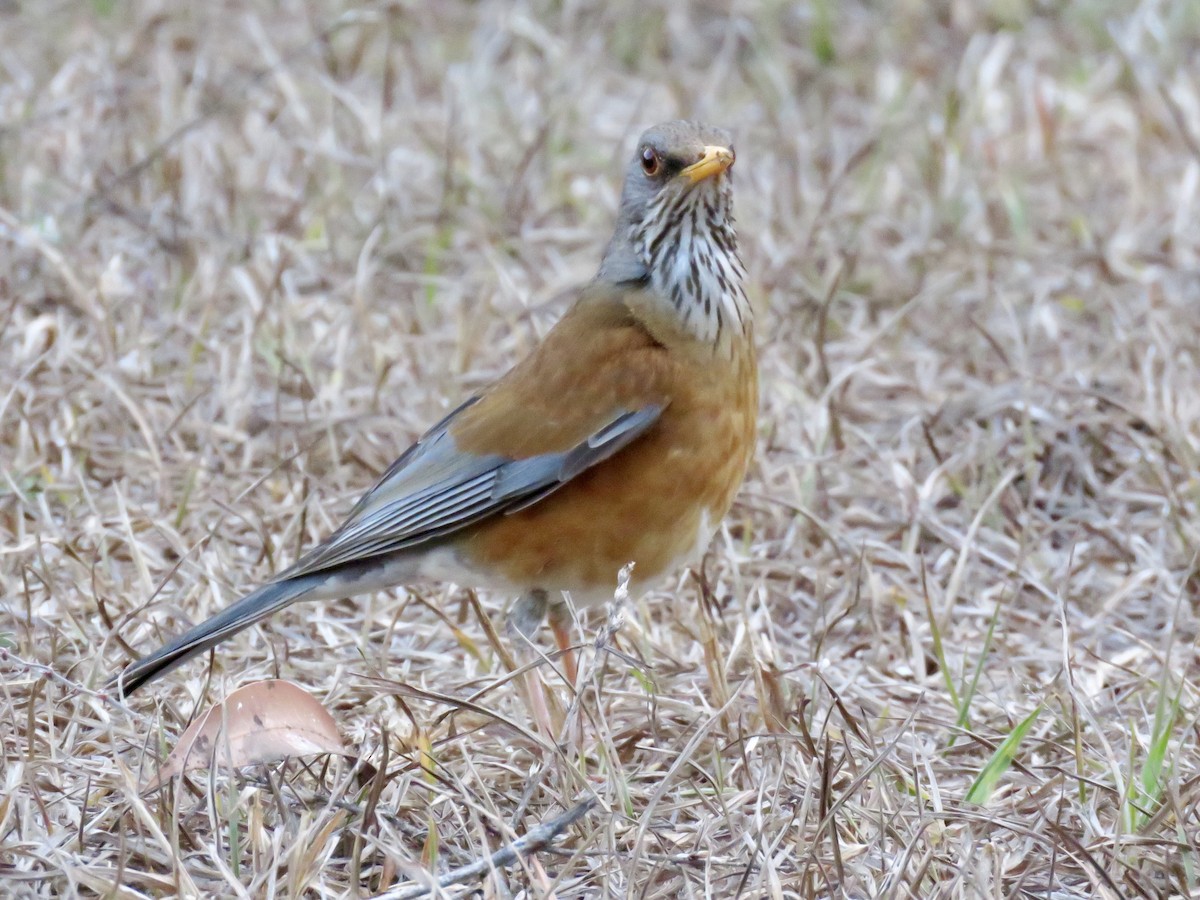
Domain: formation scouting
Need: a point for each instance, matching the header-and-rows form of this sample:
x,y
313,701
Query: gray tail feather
x,y
252,608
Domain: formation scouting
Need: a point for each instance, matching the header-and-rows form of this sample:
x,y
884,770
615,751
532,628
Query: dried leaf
x,y
261,722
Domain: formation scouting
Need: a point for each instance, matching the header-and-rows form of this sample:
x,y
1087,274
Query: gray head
x,y
675,226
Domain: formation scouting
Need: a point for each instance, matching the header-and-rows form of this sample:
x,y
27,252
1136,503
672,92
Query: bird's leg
x,y
524,619
528,611
560,620
534,607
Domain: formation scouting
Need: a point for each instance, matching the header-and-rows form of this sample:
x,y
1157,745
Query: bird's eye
x,y
650,162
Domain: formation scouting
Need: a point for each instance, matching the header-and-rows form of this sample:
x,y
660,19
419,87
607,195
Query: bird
x,y
621,438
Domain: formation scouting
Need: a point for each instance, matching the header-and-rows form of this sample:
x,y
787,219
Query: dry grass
x,y
248,250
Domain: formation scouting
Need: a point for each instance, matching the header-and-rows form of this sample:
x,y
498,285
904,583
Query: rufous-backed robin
x,y
622,438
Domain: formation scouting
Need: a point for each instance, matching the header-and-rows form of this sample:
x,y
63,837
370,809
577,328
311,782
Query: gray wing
x,y
434,490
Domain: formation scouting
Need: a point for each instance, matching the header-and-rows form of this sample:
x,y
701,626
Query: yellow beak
x,y
714,161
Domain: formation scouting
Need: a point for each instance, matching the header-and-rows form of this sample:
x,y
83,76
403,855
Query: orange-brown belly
x,y
655,504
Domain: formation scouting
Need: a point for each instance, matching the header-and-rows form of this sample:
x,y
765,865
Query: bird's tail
x,y
252,608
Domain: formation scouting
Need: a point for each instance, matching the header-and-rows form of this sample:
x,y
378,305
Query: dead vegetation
x,y
249,250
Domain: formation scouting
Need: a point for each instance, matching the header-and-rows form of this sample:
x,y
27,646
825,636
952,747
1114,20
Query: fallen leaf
x,y
261,722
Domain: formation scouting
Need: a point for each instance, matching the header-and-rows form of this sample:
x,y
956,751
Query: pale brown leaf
x,y
261,722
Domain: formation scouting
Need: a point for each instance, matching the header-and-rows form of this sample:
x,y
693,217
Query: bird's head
x,y
675,230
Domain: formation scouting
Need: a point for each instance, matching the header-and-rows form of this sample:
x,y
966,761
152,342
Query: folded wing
x,y
436,489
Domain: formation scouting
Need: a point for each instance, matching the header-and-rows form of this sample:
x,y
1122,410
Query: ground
x,y
943,646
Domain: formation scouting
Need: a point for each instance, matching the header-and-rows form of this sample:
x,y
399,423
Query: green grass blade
x,y
1148,789
985,783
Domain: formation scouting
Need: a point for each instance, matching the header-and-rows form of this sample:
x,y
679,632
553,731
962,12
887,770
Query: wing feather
x,y
435,489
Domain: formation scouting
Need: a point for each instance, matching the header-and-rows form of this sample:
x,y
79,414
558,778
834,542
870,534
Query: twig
x,y
530,842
